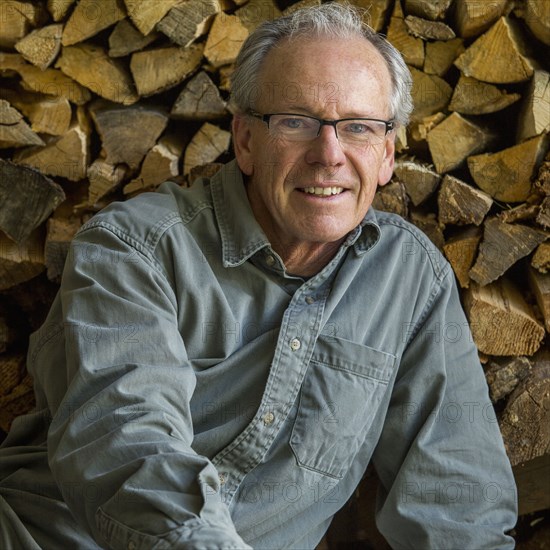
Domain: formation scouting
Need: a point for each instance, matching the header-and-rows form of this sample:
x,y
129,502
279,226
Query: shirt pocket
x,y
339,397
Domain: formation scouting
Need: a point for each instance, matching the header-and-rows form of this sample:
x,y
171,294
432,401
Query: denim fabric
x,y
194,394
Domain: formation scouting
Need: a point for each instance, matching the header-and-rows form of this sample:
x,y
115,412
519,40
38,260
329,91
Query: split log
x,y
14,131
146,14
419,180
392,198
41,46
90,66
501,321
534,118
427,222
90,17
189,20
126,39
160,164
208,171
27,199
525,423
59,8
411,48
199,100
420,129
454,140
47,114
104,178
472,17
543,177
301,4
440,56
127,133
160,69
255,12
533,495
11,63
428,30
504,45
503,376
16,21
53,82
429,9
537,17
472,97
206,146
543,216
461,250
460,203
20,262
59,234
225,40
502,246
540,285
430,94
66,156
522,212
506,175
541,258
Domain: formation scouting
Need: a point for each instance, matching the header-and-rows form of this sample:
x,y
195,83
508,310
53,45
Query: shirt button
x,y
310,300
295,344
270,261
222,479
268,418
132,545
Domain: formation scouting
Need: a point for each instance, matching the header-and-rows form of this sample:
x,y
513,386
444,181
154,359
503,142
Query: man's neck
x,y
306,260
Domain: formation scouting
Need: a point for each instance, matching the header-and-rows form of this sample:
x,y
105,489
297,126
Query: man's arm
x,y
446,480
120,441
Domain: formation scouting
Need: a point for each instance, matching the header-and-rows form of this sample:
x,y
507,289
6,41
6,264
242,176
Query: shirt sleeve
x,y
446,482
120,442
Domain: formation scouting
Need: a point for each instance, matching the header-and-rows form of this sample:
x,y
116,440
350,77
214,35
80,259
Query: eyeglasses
x,y
294,127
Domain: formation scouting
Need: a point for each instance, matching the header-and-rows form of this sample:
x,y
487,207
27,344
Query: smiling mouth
x,y
323,191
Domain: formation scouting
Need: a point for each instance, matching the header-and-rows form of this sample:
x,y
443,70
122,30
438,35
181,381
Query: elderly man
x,y
223,362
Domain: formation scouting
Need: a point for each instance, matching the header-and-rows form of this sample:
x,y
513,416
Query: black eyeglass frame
x,y
390,124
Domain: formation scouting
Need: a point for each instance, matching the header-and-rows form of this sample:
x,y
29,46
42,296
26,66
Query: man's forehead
x,y
320,72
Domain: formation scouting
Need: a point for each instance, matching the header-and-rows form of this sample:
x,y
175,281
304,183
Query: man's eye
x,y
293,123
357,128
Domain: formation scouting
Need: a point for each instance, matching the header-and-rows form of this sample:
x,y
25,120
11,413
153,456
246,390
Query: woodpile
x,y
104,99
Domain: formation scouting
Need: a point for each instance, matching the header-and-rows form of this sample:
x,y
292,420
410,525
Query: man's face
x,y
327,79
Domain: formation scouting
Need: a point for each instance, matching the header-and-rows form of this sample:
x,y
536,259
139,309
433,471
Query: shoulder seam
x,y
440,271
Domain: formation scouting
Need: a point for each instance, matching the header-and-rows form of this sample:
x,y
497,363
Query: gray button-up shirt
x,y
196,395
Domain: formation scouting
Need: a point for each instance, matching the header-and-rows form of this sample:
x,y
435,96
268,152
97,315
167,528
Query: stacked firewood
x,y
103,99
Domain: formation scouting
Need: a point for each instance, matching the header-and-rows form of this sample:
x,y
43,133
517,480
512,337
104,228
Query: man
x,y
222,363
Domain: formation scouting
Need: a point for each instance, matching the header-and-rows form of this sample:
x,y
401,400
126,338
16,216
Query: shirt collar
x,y
242,236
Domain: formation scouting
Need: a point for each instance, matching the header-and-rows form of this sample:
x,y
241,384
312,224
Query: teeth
x,y
323,190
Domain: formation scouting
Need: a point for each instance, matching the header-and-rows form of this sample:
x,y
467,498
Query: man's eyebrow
x,y
300,110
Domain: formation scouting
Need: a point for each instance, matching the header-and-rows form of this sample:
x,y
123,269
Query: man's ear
x,y
386,168
241,143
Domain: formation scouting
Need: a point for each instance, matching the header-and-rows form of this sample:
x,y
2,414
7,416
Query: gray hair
x,y
332,20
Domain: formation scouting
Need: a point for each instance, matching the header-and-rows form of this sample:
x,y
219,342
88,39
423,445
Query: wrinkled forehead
x,y
324,74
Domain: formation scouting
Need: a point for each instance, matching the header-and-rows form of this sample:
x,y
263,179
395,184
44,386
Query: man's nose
x,y
325,149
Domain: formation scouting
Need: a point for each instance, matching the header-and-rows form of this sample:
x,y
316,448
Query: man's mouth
x,y
326,191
